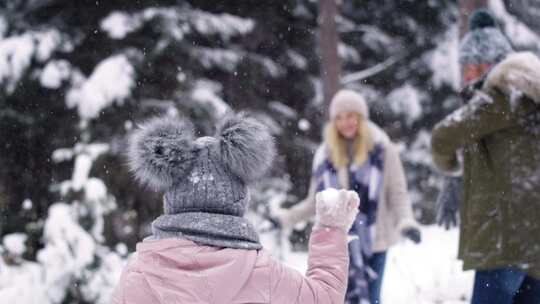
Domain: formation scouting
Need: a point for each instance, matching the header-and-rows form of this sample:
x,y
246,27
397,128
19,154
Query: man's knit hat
x,y
484,43
205,179
348,101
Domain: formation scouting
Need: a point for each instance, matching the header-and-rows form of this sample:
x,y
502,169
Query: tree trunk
x,y
466,7
328,44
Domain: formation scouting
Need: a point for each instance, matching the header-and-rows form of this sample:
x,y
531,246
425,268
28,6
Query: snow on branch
x,y
178,22
224,25
217,58
406,100
361,75
443,60
111,81
207,92
17,52
118,24
519,33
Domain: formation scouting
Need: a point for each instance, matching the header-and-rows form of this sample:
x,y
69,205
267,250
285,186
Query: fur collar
x,y
518,73
378,134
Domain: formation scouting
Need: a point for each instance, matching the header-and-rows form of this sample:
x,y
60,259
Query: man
x,y
498,132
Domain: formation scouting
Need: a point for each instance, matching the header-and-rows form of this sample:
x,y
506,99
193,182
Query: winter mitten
x,y
448,202
468,91
336,208
412,234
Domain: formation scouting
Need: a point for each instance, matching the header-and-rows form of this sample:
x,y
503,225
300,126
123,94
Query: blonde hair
x,y
337,144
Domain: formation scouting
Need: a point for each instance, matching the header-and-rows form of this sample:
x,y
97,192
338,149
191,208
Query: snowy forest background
x,y
77,76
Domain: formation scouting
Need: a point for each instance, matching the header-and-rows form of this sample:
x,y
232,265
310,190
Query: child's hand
x,y
336,208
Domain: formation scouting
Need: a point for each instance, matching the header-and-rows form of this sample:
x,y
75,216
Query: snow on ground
x,y
428,273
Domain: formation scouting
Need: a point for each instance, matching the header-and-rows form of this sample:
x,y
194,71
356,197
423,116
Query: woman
x,y
202,249
359,156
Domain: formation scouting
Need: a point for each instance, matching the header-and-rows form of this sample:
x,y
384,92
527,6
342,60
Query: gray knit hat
x,y
204,179
484,43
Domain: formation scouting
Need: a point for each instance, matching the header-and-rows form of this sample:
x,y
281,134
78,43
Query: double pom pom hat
x,y
204,179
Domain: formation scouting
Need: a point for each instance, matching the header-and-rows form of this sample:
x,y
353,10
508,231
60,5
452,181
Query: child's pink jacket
x,y
172,271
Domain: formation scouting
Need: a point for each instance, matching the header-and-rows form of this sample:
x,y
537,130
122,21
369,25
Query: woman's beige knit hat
x,y
348,101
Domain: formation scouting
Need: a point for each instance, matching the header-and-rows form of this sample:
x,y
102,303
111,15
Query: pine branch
x,y
361,75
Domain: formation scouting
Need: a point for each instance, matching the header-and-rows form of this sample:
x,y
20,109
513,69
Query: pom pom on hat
x,y
161,150
246,146
481,18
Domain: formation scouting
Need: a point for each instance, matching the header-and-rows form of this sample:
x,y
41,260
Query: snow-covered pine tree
x,y
75,75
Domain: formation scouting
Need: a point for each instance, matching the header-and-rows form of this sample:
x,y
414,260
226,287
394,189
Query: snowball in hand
x,y
336,208
331,195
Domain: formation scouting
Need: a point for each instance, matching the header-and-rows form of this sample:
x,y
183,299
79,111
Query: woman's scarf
x,y
366,180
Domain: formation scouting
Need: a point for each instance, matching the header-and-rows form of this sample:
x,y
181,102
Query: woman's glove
x,y
336,208
413,234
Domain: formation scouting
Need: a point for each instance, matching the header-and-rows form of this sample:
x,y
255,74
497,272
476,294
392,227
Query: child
x,y
202,249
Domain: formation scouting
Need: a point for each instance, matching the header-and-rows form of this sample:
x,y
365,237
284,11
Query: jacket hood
x,y
518,73
185,270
